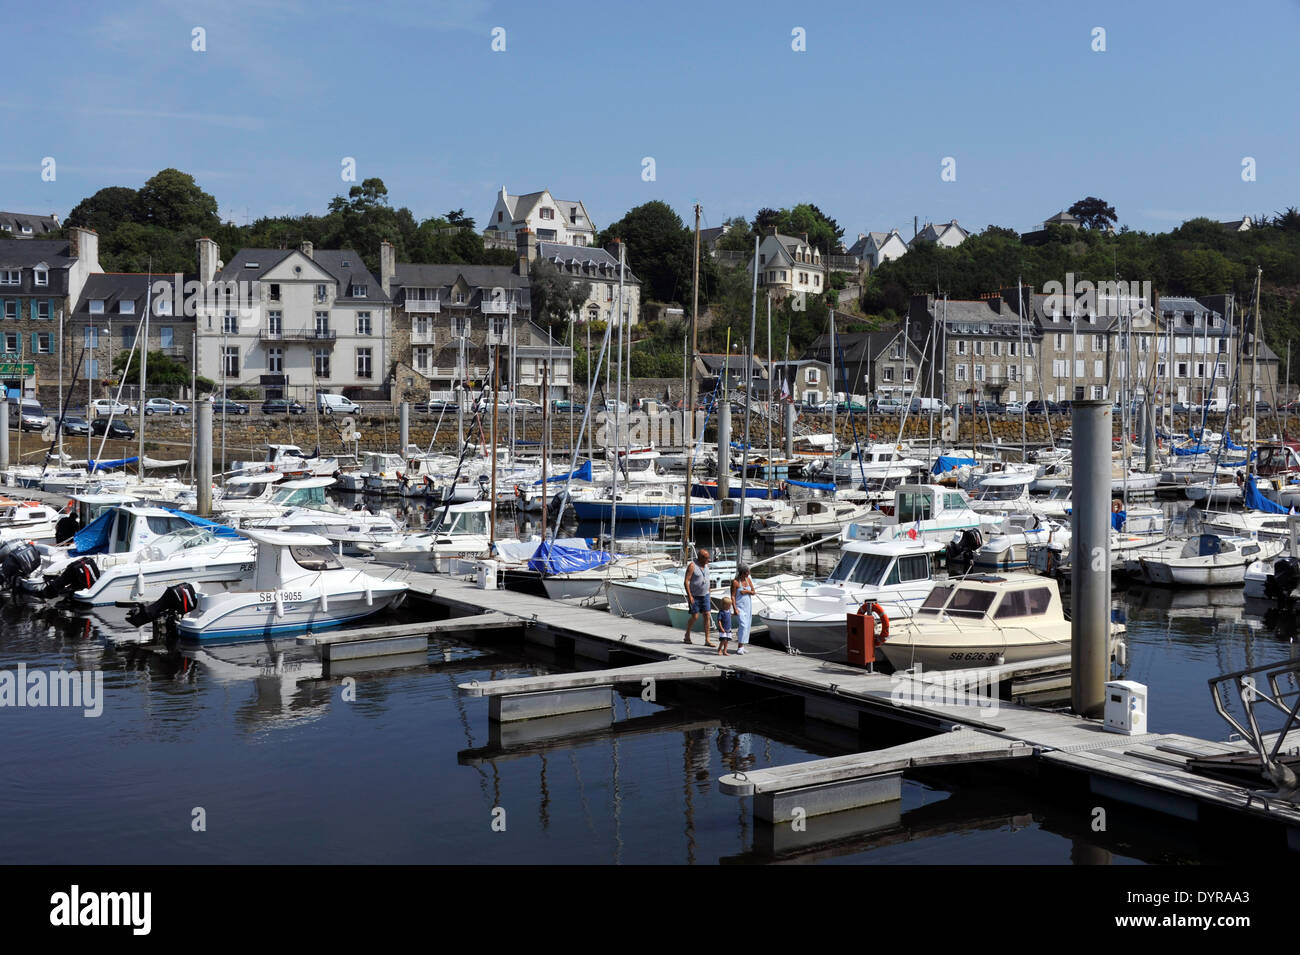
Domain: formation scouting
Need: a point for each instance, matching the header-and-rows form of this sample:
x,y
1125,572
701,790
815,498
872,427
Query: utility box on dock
x,y
1126,707
487,575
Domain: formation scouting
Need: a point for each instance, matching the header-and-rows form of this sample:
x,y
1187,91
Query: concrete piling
x,y
203,456
1090,550
404,426
4,433
789,429
724,450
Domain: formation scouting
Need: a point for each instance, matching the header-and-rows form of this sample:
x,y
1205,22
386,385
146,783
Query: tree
x,y
1093,213
1288,221
162,373
171,199
457,217
105,210
737,236
555,297
660,249
991,231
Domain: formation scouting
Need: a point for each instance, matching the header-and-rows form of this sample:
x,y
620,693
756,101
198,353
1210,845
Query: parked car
x,y
989,407
1291,407
1263,407
1014,407
116,428
858,408
439,405
523,404
883,406
568,407
282,406
964,409
220,406
336,404
26,414
928,405
111,406
1041,407
73,426
165,406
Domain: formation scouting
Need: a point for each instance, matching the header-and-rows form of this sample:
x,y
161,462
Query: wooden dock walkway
x,y
1146,770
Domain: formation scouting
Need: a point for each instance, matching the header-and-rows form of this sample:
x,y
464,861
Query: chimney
x,y
208,264
307,249
526,246
915,222
387,266
771,230
83,245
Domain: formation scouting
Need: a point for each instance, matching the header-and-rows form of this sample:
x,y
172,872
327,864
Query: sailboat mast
x,y
749,391
688,412
144,361
496,393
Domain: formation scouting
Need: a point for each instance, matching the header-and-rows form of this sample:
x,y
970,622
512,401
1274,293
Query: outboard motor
x,y
961,550
176,601
1281,584
18,559
78,575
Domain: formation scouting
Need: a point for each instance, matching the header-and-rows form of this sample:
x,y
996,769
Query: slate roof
x,y
40,225
25,253
586,254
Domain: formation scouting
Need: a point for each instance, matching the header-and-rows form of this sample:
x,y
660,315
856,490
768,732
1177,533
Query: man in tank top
x,y
696,582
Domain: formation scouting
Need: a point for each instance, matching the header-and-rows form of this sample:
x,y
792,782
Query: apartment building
x,y
293,322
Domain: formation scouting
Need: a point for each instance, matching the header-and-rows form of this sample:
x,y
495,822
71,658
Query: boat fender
x,y
882,620
279,604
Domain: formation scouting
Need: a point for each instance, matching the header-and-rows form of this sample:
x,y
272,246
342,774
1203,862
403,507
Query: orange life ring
x,y
877,611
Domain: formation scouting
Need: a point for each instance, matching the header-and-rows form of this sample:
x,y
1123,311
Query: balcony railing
x,y
298,335
424,338
489,307
423,306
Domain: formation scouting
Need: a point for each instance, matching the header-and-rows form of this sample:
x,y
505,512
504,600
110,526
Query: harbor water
x,y
283,764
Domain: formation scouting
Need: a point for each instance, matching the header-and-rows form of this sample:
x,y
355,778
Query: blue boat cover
x,y
109,465
583,473
93,538
554,558
814,486
1227,440
1258,502
947,462
1198,449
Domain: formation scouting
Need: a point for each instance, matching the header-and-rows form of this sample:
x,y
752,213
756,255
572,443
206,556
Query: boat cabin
x,y
91,506
1015,600
464,519
377,462
283,555
247,488
1281,458
304,492
1004,487
1214,545
127,529
884,564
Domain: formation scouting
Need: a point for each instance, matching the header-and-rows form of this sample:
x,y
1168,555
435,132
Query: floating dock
x,y
1150,771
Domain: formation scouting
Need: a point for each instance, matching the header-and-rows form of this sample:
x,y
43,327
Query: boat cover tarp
x,y
109,465
1197,449
583,473
813,485
219,530
519,552
1227,440
948,462
93,538
1258,502
552,557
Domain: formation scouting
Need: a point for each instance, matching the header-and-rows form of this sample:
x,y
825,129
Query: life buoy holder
x,y
882,619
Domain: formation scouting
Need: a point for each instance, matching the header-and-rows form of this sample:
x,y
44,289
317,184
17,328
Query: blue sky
x,y
859,123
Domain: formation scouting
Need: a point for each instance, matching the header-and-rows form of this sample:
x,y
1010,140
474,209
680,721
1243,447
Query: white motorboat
x,y
981,621
1208,560
647,597
811,518
27,520
193,555
300,506
291,460
898,575
1009,550
298,586
930,512
245,492
459,539
1276,578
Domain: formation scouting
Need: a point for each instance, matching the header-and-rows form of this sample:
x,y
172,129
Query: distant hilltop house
x,y
874,249
1063,218
947,234
562,221
789,264
22,225
1244,224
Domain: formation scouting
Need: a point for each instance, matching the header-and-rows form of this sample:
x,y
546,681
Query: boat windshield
x,y
315,558
970,602
860,569
301,496
245,491
934,603
470,522
1031,602
1008,492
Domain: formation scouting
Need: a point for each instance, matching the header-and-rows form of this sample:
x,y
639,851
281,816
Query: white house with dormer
x,y
874,249
947,234
789,264
563,221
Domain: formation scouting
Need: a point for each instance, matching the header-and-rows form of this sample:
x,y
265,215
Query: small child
x,y
724,625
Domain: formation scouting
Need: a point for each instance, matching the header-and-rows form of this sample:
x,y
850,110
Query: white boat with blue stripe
x,y
298,586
